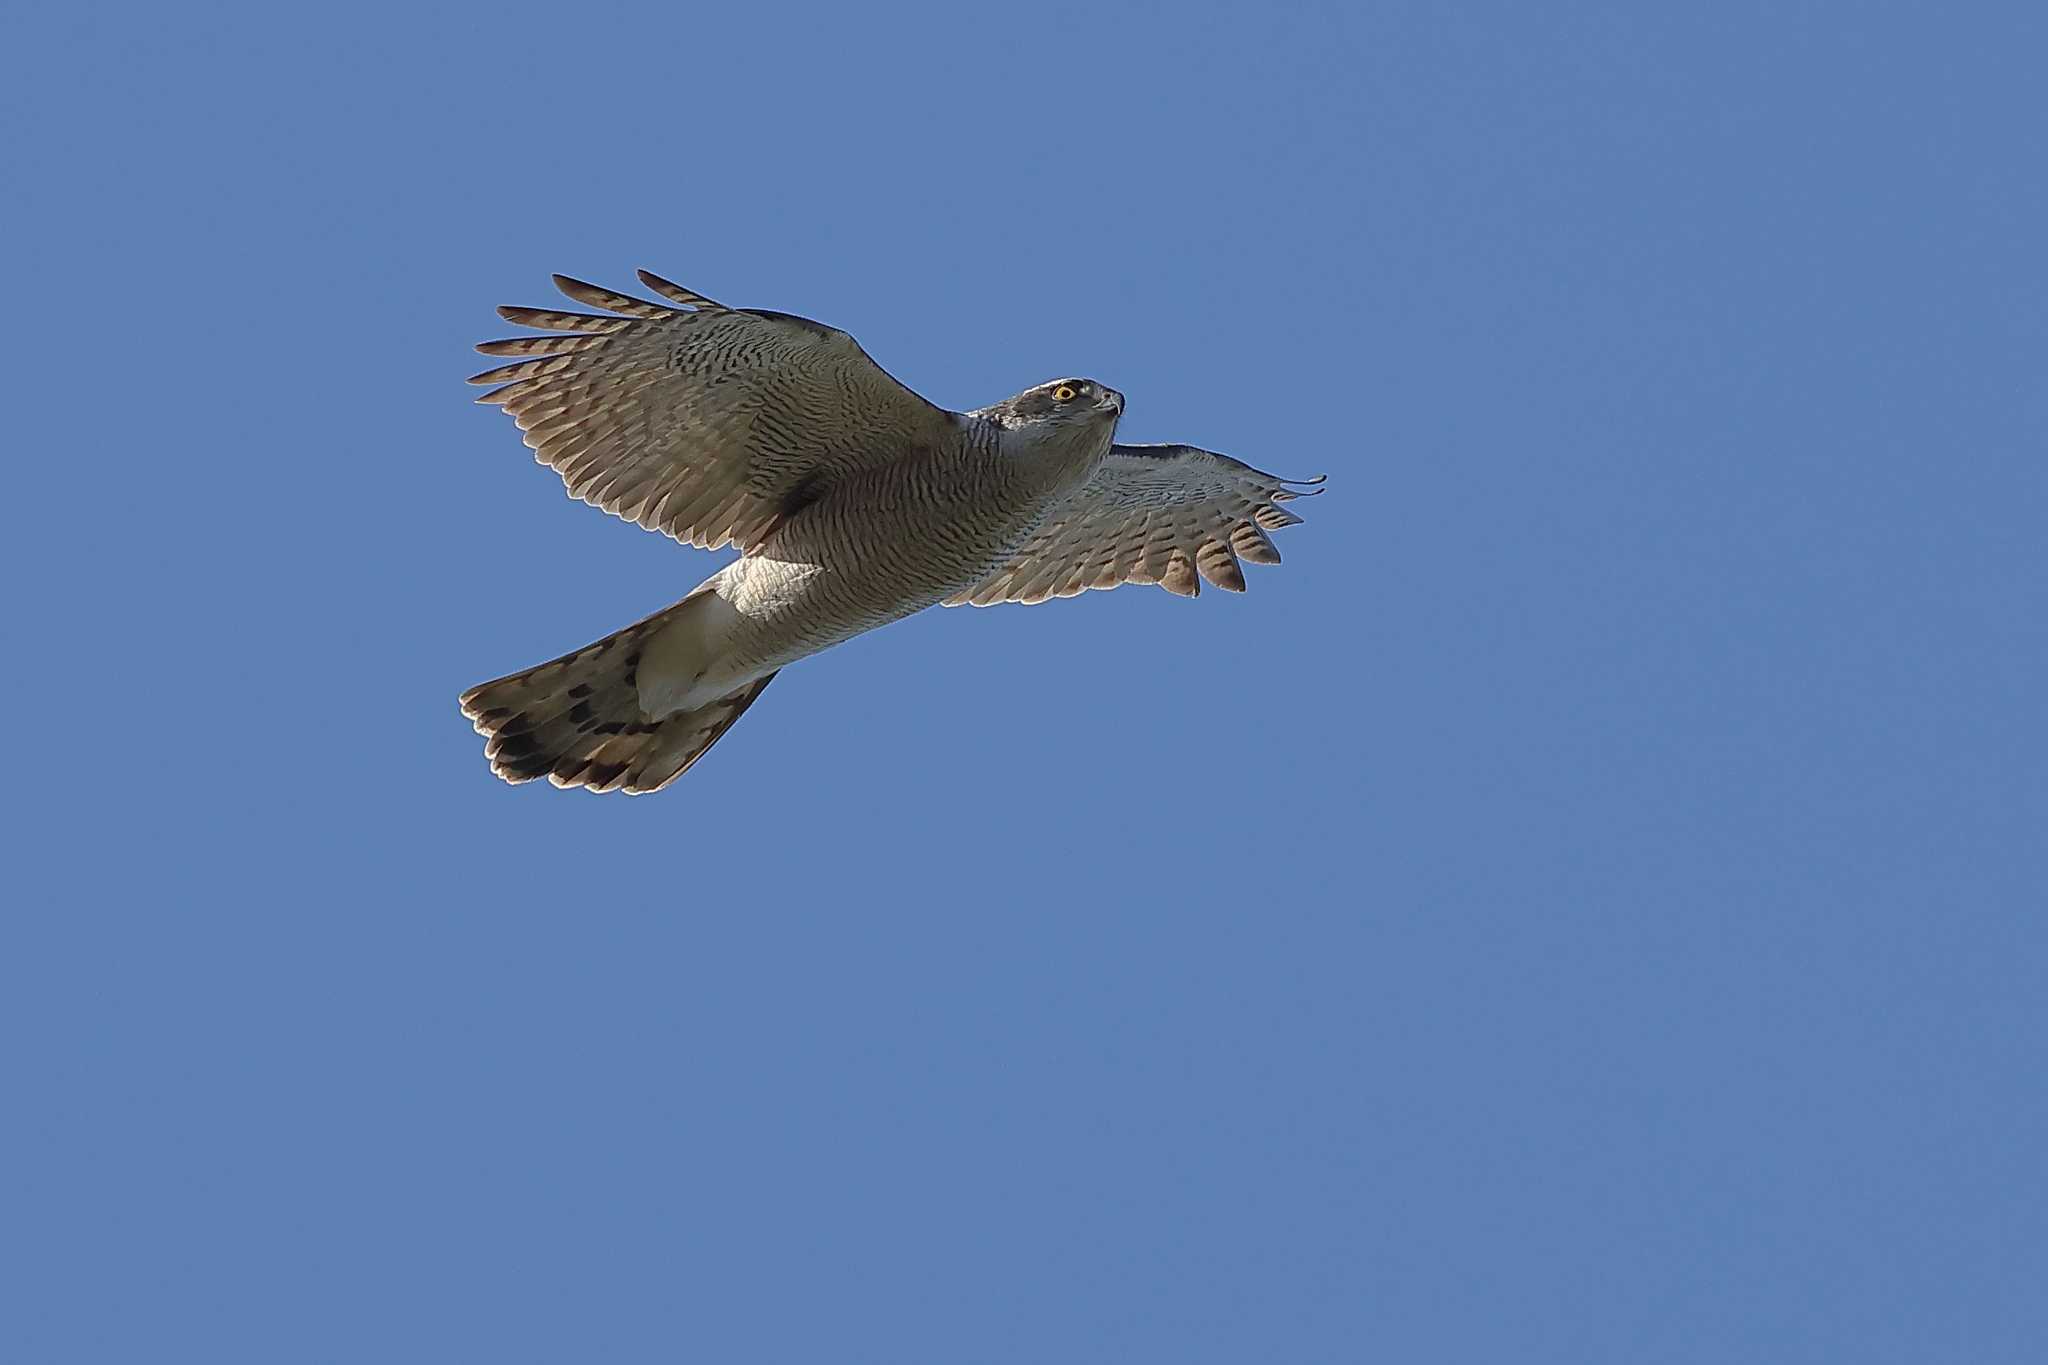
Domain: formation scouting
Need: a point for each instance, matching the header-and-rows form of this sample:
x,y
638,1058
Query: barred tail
x,y
578,722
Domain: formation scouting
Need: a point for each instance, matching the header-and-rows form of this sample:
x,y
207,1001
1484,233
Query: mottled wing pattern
x,y
703,422
1151,514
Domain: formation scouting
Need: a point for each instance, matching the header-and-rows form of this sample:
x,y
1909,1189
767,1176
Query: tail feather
x,y
578,722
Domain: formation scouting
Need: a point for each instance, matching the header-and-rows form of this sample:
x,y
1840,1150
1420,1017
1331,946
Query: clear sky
x,y
1587,905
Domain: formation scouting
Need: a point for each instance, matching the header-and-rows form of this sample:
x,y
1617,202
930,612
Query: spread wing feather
x,y
699,420
1166,514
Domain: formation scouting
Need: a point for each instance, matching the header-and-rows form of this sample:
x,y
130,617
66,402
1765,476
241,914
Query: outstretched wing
x,y
1151,514
704,422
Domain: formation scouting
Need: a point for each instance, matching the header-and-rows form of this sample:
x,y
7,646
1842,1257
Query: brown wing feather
x,y
1169,514
698,420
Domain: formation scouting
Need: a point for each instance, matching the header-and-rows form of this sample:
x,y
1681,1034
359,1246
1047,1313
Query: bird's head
x,y
1060,408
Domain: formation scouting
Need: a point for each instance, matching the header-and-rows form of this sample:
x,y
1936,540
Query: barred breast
x,y
879,547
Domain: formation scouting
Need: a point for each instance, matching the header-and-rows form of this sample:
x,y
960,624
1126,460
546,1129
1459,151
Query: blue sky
x,y
1585,906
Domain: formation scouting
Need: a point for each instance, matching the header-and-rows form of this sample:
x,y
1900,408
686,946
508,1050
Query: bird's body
x,y
822,577
957,515
856,504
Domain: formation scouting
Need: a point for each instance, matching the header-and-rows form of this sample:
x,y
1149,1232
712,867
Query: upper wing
x,y
1150,514
701,421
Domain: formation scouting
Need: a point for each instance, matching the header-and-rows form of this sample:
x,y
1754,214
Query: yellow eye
x,y
1063,394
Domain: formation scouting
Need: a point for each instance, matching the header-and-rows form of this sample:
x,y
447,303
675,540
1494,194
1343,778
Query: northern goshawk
x,y
854,502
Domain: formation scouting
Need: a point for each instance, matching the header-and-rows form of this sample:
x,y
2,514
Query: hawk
x,y
854,502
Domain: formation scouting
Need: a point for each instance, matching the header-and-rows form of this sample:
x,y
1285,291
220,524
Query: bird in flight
x,y
854,503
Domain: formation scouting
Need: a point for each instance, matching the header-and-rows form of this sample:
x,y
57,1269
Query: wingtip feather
x,y
597,296
669,289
